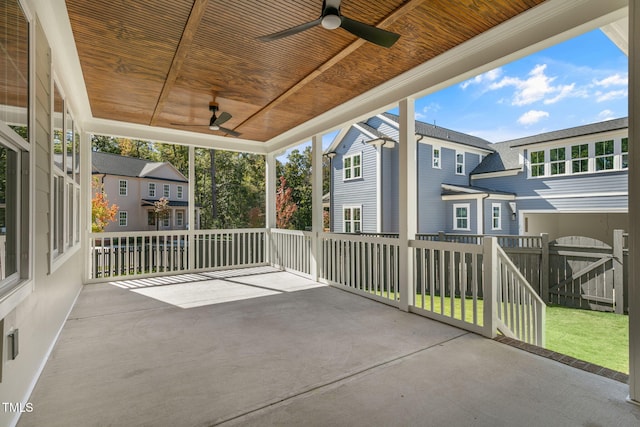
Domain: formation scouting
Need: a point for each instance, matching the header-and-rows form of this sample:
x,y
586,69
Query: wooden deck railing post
x,y
490,285
618,272
544,268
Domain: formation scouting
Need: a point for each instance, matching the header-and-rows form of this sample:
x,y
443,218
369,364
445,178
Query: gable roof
x,y
114,164
444,134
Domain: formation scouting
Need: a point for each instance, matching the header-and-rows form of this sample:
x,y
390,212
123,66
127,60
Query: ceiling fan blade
x,y
223,118
229,131
186,124
290,31
370,33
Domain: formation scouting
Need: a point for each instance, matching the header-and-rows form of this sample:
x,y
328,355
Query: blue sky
x,y
580,81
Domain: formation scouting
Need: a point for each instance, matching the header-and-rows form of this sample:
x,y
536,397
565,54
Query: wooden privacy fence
x,y
573,271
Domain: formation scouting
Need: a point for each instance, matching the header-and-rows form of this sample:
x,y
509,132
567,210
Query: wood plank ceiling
x,y
161,62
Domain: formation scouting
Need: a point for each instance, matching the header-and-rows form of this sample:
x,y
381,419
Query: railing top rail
x,y
359,238
120,234
447,246
293,232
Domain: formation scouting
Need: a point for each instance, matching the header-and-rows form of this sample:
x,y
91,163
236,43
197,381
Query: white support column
x,y
408,196
86,194
316,205
191,214
270,202
634,201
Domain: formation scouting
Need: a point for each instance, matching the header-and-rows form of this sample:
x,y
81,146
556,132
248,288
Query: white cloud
x,y
614,80
536,87
613,94
487,77
532,116
427,111
606,115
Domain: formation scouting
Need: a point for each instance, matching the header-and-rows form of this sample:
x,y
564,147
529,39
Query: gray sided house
x,y
135,184
561,182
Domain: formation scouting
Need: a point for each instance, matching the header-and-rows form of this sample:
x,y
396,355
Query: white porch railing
x,y
147,253
291,250
470,285
364,265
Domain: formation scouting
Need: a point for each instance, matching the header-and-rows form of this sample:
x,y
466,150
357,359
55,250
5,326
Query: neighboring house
x,y
135,184
560,182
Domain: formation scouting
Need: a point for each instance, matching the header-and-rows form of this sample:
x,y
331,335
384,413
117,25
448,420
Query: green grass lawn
x,y
592,336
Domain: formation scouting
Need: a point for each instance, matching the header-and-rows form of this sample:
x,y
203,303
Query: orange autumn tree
x,y
101,213
285,207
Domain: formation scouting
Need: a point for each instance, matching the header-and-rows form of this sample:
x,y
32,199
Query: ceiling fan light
x,y
331,22
214,127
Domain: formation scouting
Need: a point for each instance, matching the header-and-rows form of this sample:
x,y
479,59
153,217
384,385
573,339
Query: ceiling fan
x,y
331,18
216,121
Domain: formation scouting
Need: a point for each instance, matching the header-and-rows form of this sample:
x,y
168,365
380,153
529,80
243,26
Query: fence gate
x,y
585,273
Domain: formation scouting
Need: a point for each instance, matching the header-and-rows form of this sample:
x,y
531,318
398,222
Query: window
x,y
625,153
123,185
166,191
436,158
580,158
152,189
459,163
122,218
558,161
537,163
352,221
461,216
166,219
179,218
9,213
604,155
496,216
352,166
151,217
179,191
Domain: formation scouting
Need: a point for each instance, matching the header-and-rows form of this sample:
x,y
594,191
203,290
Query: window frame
x,y
624,154
460,166
559,162
349,171
496,225
467,218
436,160
179,218
580,159
607,157
151,189
121,187
351,221
166,190
536,167
123,215
180,192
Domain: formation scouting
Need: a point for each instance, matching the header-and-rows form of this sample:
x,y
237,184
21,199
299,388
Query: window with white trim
x,y
123,218
166,191
459,163
537,163
436,158
624,158
179,218
166,219
496,216
558,161
123,187
352,166
461,216
152,189
352,219
179,191
604,155
580,158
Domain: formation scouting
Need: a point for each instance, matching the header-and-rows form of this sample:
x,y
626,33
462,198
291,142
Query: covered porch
x,y
258,346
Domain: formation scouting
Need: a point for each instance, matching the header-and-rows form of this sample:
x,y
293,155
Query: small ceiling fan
x,y
216,121
331,18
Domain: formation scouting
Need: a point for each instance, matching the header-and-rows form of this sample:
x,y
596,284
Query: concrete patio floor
x,y
262,347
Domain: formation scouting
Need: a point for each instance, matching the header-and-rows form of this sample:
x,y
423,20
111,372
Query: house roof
x,y
455,190
114,164
593,128
444,134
